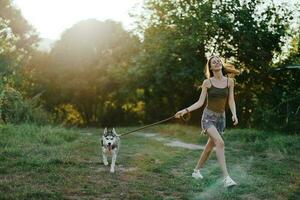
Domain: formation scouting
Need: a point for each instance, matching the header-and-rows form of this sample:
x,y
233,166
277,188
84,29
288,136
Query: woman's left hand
x,y
235,120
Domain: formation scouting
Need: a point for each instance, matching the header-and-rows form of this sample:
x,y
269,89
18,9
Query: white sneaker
x,y
228,182
196,174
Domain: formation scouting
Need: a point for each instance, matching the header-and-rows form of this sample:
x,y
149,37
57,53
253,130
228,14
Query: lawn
x,y
59,163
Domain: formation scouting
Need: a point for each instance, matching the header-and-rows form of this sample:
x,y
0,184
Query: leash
x,y
159,122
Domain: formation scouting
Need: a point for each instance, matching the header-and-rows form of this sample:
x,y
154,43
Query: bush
x,y
15,109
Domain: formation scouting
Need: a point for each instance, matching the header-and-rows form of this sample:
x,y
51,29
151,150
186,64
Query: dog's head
x,y
110,138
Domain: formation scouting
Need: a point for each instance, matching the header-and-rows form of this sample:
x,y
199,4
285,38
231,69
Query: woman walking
x,y
217,88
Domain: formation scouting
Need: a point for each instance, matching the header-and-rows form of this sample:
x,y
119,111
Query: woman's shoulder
x,y
206,83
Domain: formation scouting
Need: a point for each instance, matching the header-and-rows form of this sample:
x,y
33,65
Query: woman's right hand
x,y
180,113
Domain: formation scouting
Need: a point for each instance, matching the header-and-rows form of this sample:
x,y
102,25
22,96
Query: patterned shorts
x,y
211,118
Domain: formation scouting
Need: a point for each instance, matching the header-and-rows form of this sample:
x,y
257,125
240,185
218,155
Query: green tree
x,y
87,68
282,111
251,36
179,34
17,40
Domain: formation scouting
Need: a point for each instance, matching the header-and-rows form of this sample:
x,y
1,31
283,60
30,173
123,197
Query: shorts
x,y
211,118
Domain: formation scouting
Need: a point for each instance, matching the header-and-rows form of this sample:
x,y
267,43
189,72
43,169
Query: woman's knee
x,y
215,137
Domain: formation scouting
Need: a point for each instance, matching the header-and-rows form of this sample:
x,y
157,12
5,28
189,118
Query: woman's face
x,y
216,64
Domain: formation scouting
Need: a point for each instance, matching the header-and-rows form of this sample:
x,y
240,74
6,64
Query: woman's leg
x,y
216,137
205,154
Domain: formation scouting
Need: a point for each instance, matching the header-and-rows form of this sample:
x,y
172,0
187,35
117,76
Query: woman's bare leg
x,y
215,136
205,154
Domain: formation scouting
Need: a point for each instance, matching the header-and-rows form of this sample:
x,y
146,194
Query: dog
x,y
110,146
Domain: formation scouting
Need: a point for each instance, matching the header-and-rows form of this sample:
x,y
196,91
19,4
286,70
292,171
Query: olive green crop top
x,y
217,98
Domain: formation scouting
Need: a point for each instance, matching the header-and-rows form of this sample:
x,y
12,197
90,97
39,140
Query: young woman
x,y
217,88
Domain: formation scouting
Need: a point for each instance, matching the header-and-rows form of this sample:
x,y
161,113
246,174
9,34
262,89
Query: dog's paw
x,y
112,170
105,163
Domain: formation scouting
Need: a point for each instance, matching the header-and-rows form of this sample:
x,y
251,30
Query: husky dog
x,y
110,146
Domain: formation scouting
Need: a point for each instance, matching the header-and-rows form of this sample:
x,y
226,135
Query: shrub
x,y
15,109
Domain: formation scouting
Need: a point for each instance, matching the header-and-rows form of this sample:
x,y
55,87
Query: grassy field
x,y
57,163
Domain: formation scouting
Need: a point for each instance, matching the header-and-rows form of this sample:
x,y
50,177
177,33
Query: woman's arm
x,y
201,99
231,102
198,104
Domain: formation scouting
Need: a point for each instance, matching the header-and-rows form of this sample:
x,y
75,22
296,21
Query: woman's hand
x,y
235,120
180,113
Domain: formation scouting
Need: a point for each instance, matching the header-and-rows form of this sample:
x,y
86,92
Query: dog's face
x,y
109,138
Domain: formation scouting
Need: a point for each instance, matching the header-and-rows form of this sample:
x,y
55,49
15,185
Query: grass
x,y
58,163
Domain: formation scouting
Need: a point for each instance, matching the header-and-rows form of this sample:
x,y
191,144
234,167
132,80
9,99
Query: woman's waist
x,y
208,110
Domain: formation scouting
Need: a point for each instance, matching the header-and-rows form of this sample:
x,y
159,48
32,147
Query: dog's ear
x,y
105,131
114,131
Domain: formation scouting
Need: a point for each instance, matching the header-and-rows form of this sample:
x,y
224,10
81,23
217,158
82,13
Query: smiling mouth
x,y
218,66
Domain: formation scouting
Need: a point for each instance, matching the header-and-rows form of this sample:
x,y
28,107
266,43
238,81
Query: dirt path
x,y
170,142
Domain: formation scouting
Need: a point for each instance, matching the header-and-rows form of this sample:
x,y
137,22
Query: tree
x,y
17,40
87,68
251,37
178,35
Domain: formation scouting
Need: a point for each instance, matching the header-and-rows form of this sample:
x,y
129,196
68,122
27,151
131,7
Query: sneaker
x,y
196,174
228,182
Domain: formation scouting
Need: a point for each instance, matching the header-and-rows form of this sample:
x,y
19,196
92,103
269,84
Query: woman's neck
x,y
218,75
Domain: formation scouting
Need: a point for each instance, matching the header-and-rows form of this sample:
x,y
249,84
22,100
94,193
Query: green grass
x,y
58,163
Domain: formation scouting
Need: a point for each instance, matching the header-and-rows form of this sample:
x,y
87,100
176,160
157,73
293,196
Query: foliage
x,y
15,109
178,36
17,40
68,115
282,111
100,74
87,69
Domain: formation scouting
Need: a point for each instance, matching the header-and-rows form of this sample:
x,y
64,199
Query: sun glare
x,y
52,17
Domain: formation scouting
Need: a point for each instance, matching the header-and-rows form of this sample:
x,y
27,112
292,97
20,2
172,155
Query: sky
x,y
51,17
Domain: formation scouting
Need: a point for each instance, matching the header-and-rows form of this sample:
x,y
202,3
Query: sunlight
x,y
52,17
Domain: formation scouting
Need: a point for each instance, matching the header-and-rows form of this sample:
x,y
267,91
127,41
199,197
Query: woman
x,y
217,89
